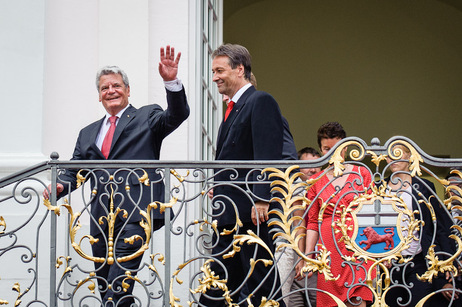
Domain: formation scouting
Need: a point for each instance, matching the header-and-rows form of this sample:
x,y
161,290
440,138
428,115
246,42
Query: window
x,y
211,106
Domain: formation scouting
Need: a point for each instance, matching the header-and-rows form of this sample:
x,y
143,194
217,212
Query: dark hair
x,y
237,55
330,130
308,150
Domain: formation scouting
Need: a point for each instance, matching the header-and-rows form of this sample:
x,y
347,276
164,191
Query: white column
x,y
169,25
71,60
21,81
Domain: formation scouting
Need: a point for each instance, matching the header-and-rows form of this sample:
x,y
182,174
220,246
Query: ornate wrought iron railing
x,y
373,227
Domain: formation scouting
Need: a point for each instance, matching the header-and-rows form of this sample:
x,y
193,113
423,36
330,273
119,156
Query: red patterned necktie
x,y
106,147
229,108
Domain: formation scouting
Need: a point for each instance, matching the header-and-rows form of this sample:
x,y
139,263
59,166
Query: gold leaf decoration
x,y
377,159
178,176
396,153
55,209
250,238
337,158
80,179
2,224
144,179
441,266
210,280
290,202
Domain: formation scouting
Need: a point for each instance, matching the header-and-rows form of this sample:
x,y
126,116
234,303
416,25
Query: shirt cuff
x,y
174,85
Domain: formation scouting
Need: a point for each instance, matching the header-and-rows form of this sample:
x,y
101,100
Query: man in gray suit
x,y
125,133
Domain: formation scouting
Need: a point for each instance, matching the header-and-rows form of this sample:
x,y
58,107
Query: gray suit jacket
x,y
138,136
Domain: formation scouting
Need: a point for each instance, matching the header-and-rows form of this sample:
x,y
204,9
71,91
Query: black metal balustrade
x,y
46,256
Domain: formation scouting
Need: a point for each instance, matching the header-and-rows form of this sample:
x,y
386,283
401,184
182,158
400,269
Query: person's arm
x,y
443,231
67,181
311,239
312,234
267,138
164,122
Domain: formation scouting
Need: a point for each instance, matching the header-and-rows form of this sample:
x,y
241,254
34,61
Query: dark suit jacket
x,y
138,136
253,131
443,221
442,240
289,152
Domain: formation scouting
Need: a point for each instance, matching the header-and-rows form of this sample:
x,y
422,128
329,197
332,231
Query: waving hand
x,y
168,65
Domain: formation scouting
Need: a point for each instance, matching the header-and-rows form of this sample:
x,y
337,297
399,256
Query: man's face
x,y
308,172
327,144
402,166
228,80
113,93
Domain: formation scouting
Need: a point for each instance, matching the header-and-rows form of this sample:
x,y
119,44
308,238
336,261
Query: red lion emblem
x,y
373,238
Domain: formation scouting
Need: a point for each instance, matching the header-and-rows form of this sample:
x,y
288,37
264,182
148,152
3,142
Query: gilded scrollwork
x,y
2,224
80,179
146,224
284,182
88,279
408,220
441,266
337,158
454,192
17,288
396,153
59,262
376,159
79,278
404,214
210,280
179,177
3,302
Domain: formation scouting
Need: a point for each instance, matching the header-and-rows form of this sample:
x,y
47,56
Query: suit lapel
x,y
94,135
126,117
226,125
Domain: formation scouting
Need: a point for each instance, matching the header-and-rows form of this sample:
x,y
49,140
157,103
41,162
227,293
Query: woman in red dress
x,y
337,192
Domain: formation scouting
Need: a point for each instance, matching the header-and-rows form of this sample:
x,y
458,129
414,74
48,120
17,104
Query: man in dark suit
x,y
125,133
416,192
252,130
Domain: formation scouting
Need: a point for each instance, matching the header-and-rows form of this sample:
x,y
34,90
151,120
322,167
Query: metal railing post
x,y
53,228
167,239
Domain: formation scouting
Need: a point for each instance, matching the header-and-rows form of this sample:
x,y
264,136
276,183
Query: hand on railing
x,y
210,193
47,191
449,285
262,211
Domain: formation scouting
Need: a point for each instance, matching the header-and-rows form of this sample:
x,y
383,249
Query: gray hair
x,y
237,55
108,70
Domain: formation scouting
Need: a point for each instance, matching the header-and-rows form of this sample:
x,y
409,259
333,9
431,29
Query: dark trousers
x,y
263,280
111,277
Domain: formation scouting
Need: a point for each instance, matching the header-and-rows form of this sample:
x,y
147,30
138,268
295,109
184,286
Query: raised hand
x,y
168,65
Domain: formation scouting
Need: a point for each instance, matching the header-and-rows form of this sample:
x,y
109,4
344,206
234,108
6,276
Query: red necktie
x,y
106,147
229,108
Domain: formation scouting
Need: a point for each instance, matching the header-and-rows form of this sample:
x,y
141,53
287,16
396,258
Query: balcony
x,y
371,238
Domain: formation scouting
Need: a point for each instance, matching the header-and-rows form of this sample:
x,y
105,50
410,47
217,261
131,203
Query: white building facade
x,y
50,51
57,46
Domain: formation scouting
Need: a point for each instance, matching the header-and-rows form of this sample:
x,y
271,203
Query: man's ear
x,y
241,69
